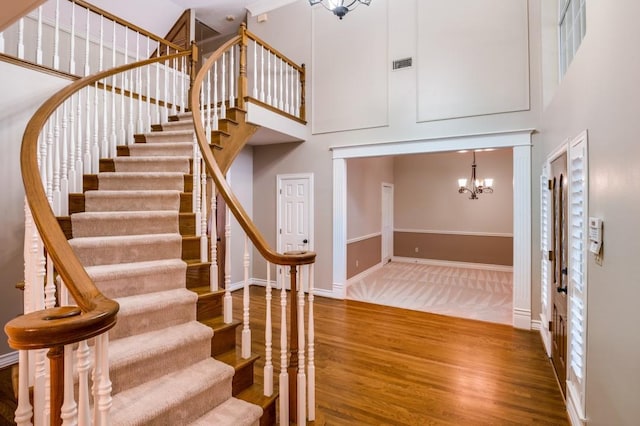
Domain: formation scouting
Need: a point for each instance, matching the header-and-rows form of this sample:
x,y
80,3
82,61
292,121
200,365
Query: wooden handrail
x,y
97,313
125,23
258,240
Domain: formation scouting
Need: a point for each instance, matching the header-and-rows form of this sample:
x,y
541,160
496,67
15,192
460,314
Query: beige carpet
x,y
454,291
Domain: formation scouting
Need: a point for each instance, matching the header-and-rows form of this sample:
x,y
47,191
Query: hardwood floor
x,y
378,365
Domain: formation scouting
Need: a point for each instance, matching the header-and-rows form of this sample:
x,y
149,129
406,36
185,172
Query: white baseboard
x,y
9,359
326,293
363,274
236,286
535,325
522,318
574,417
435,262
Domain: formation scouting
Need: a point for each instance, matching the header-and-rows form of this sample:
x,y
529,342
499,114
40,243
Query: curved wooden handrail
x,y
55,326
297,258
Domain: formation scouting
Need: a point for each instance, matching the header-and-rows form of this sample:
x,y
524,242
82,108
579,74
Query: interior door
x,y
559,275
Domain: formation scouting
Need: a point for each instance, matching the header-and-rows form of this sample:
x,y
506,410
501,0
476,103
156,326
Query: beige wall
x,y
240,177
600,93
363,254
293,30
426,196
22,92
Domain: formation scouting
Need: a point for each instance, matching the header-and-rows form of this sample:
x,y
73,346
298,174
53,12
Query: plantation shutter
x,y
578,270
545,202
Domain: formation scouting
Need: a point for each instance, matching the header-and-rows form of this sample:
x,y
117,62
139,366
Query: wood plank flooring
x,y
378,365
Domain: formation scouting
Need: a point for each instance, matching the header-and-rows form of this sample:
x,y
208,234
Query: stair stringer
x,y
238,138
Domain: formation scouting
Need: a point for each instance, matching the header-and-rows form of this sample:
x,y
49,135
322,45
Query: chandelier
x,y
340,7
478,186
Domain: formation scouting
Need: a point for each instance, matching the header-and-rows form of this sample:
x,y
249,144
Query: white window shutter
x,y
545,202
578,219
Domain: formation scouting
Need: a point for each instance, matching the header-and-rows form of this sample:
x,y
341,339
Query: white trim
x,y
574,413
535,325
545,334
9,359
454,264
519,140
364,237
469,233
237,285
386,242
507,139
364,274
326,293
279,179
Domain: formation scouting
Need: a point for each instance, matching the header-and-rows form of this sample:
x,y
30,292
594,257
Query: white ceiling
x,y
214,13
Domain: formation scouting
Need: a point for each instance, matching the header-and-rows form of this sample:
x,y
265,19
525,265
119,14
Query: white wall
x,y
426,196
364,194
293,29
156,16
240,177
22,93
600,93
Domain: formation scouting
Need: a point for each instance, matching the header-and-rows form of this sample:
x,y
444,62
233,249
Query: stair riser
x,y
223,340
198,275
242,379
131,324
209,306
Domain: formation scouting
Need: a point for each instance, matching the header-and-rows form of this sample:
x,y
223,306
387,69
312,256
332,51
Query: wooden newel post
x,y
303,79
293,348
194,65
56,362
242,77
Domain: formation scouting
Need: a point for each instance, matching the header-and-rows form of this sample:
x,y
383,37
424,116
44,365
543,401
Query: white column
x,y
522,237
339,226
21,38
204,252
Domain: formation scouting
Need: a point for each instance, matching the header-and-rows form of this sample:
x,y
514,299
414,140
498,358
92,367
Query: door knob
x,y
562,290
305,241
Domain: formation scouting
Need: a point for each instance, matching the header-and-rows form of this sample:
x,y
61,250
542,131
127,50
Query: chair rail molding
x,y
518,140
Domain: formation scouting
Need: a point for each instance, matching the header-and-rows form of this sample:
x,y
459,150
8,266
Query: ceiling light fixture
x,y
340,7
478,186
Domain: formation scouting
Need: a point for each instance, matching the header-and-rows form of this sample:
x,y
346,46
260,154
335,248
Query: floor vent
x,y
402,63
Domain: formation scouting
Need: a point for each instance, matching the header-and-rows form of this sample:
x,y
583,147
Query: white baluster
x,y
269,77
71,174
39,37
281,105
103,400
302,377
228,300
196,193
101,48
215,96
204,252
262,73
125,86
56,38
72,44
284,376
174,90
50,288
246,331
165,81
50,161
297,99
111,153
87,166
140,127
183,82
255,69
87,32
29,258
1,42
131,127
275,80
223,106
286,89
69,410
157,66
84,364
268,364
232,78
24,410
79,166
64,180
311,362
207,107
104,145
213,271
95,149
39,388
148,67
21,38
56,166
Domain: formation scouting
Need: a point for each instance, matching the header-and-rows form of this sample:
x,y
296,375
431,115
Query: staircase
x,y
172,358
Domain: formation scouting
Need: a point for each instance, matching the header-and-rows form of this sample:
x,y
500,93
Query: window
x,y
572,25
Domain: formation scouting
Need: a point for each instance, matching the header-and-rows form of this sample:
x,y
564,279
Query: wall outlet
x,y
357,263
417,249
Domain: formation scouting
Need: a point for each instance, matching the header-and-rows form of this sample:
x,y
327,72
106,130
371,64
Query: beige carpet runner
x,y
128,238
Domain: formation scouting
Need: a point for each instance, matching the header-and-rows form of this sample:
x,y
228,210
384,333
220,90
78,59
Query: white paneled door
x,y
295,214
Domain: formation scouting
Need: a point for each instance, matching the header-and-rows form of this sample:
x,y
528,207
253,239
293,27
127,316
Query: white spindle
x,y
311,362
50,160
262,73
50,287
72,45
148,91
165,82
255,69
207,108
183,82
213,271
197,202
39,37
104,146
223,107
140,127
84,365
232,77
246,331
281,105
101,48
286,88
87,163
64,180
297,99
174,90
302,377
1,42
87,66
268,336
157,95
275,80
103,400
21,38
72,145
284,376
69,411
79,166
56,165
56,38
95,149
125,86
269,77
111,153
39,387
204,252
228,301
215,96
24,410
29,258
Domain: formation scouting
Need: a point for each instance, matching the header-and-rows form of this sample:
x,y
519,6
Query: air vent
x,y
402,63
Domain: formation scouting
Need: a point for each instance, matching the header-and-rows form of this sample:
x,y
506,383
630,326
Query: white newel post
x,y
284,376
311,368
268,336
302,377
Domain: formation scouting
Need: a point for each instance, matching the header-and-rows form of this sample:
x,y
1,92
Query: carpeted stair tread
x,y
95,224
161,149
234,412
136,359
177,164
141,181
177,398
137,200
186,124
129,279
127,248
153,311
